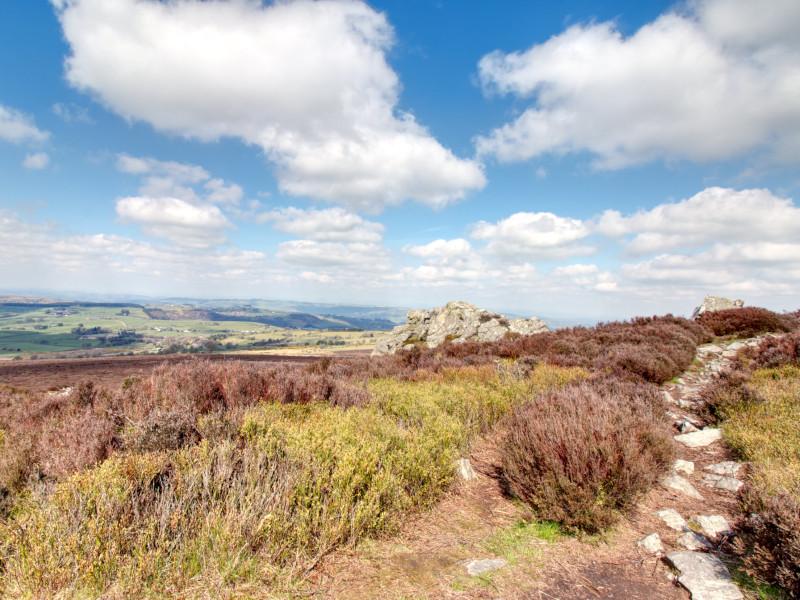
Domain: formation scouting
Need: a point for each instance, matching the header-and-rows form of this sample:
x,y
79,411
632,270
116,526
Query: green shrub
x,y
582,454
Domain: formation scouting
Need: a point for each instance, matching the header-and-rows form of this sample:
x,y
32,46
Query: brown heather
x,y
582,455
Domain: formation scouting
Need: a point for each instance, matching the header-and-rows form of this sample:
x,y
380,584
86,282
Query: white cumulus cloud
x,y
526,235
712,215
17,127
328,225
307,81
715,81
175,220
36,161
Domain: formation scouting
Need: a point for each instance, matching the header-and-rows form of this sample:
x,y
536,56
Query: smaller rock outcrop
x,y
712,303
455,322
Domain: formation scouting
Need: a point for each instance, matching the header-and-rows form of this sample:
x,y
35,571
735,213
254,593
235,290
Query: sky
x,y
563,158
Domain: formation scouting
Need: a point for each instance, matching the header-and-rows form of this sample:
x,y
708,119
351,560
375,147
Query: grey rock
x,y
699,439
704,576
685,467
687,427
721,482
713,526
729,468
651,544
672,519
678,483
668,397
465,470
711,303
692,540
457,322
485,565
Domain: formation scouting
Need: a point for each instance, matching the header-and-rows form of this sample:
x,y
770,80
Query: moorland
x,y
233,479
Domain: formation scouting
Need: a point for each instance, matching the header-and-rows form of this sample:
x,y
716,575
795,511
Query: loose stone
x,y
692,540
720,482
652,544
485,565
699,439
680,484
713,526
704,576
672,519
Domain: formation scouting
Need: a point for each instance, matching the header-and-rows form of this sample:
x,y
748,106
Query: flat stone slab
x,y
729,468
485,565
672,518
684,467
691,540
652,544
720,482
676,482
699,439
704,576
712,525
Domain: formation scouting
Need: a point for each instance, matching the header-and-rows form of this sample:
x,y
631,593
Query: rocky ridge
x,y
711,303
455,322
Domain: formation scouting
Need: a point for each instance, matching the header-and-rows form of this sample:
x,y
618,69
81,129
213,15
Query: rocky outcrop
x,y
712,303
456,322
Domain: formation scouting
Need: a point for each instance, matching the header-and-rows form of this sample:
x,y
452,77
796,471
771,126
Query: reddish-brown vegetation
x,y
746,322
581,455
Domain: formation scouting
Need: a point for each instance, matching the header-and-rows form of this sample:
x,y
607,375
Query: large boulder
x,y
455,322
711,303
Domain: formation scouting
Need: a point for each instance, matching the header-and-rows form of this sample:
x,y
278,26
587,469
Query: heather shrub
x,y
774,352
163,430
772,532
744,322
583,454
728,393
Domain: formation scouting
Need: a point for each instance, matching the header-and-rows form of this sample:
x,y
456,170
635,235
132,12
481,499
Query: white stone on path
x,y
679,483
485,565
704,576
729,468
652,544
712,525
699,439
692,540
683,466
465,470
672,518
720,482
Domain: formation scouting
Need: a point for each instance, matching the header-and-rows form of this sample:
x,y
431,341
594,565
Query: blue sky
x,y
571,159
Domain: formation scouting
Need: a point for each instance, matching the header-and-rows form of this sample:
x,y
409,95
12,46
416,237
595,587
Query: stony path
x,y
695,527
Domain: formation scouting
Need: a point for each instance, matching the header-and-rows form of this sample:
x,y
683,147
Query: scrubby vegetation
x,y
582,454
233,479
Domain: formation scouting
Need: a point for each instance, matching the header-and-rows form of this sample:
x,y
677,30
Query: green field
x,y
72,331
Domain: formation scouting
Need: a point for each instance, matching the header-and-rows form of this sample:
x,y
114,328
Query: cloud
x,y
37,253
353,259
440,248
36,161
714,214
711,83
72,113
306,81
527,235
17,127
328,225
175,220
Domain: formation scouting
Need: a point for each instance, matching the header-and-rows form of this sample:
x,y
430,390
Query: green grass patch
x,y
767,432
523,541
